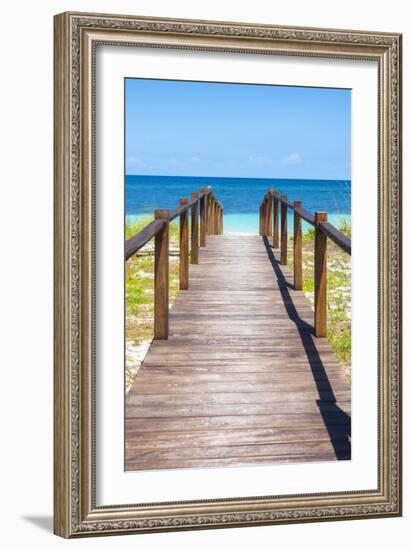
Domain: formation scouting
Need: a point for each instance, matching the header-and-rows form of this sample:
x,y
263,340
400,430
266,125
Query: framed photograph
x,y
227,274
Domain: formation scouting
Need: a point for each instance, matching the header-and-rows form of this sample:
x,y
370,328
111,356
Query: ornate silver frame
x,y
75,510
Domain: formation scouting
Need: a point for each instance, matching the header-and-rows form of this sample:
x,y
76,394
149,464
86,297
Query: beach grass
x,y
139,282
139,295
338,290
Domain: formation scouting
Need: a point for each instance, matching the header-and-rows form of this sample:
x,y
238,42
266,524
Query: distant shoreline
x,y
343,180
248,224
240,197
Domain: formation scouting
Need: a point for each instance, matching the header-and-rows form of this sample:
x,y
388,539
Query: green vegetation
x,y
140,281
344,225
339,290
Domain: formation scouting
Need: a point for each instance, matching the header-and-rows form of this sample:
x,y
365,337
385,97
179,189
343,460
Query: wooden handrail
x,y
271,204
178,211
304,214
331,231
337,237
182,208
211,222
135,243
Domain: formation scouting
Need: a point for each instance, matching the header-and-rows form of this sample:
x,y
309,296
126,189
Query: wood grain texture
x,y
275,219
161,278
297,248
321,243
269,230
283,231
203,216
216,219
184,247
194,231
242,379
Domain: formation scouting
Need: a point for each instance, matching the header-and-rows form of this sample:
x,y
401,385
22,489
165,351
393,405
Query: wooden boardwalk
x,y
241,379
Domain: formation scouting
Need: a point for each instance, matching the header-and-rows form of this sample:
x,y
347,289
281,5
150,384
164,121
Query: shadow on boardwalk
x,y
342,447
241,380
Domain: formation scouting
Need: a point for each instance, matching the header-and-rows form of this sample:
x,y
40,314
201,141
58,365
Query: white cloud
x,y
293,158
195,158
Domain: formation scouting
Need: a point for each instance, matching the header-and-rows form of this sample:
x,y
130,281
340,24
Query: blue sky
x,y
179,128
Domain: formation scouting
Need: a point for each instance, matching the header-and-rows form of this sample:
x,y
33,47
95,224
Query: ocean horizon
x,y
240,197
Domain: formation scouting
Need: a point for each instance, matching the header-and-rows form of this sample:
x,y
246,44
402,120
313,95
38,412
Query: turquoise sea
x,y
241,197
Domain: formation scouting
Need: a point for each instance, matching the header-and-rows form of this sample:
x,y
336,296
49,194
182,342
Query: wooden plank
x,y
149,375
237,398
231,451
242,379
232,366
145,411
240,436
313,420
193,387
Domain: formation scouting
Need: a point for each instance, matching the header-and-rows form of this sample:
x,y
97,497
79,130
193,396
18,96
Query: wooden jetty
x,y
236,374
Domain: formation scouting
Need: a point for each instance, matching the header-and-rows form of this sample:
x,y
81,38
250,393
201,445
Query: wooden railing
x,y
269,226
203,205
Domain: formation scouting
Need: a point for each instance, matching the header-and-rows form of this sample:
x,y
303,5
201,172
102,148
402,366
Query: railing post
x,y
161,279
184,247
216,219
269,214
194,234
276,220
297,247
203,217
265,215
208,201
213,216
283,231
320,275
209,213
261,219
221,222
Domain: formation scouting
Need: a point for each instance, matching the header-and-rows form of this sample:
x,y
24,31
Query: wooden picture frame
x,y
75,38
